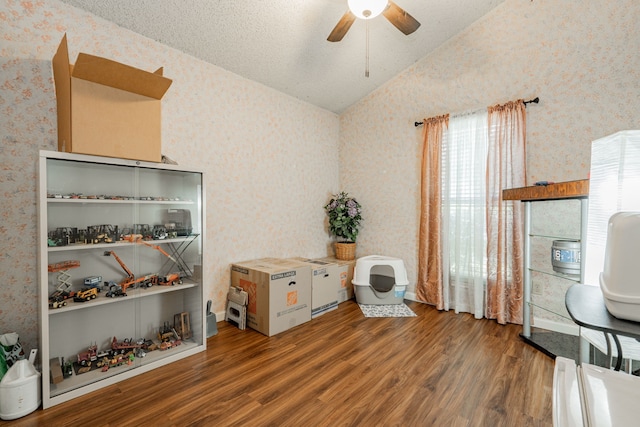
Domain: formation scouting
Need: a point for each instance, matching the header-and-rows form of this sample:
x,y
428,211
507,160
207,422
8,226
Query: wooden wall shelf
x,y
562,190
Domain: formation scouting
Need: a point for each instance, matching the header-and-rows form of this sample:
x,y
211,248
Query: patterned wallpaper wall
x,y
580,58
271,161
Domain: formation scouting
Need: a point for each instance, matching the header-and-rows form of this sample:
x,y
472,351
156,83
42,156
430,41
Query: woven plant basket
x,y
345,251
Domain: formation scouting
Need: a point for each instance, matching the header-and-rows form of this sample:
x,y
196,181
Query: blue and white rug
x,y
386,310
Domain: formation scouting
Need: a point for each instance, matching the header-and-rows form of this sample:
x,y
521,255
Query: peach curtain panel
x,y
506,168
429,283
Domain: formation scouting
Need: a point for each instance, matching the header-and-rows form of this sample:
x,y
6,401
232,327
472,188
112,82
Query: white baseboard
x,y
411,296
550,325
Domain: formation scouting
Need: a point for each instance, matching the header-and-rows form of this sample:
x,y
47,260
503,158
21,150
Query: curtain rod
x,y
531,101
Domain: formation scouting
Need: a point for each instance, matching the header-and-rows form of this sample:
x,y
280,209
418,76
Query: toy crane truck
x,y
169,279
120,289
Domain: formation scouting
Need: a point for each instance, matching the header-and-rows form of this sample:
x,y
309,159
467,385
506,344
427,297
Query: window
x,y
464,158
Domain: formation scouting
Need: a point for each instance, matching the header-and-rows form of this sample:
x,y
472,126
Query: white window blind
x,y
464,156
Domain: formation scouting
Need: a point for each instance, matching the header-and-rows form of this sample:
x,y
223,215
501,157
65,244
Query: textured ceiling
x,y
282,43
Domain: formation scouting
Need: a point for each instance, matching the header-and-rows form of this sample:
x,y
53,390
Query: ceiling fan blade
x,y
400,19
341,28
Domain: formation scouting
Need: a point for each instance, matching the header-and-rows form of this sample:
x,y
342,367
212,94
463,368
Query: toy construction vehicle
x,y
168,337
86,294
93,282
91,355
120,289
128,344
103,233
58,298
114,290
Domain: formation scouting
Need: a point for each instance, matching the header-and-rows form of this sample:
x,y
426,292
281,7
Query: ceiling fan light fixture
x,y
367,9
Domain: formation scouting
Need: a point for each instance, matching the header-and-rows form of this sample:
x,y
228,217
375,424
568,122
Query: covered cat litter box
x,y
620,278
380,280
19,390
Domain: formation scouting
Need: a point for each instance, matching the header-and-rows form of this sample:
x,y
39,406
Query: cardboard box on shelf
x,y
325,285
345,271
106,108
279,293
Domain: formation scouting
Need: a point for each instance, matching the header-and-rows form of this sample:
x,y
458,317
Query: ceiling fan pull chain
x,y
366,70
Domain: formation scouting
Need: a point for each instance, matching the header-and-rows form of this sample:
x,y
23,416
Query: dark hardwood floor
x,y
341,369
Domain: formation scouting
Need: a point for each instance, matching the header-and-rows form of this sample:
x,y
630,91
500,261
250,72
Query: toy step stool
x,y
237,301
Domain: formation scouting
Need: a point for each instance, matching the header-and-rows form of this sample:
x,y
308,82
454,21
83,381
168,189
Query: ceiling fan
x,y
368,9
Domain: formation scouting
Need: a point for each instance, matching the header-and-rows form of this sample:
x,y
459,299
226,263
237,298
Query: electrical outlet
x,y
537,288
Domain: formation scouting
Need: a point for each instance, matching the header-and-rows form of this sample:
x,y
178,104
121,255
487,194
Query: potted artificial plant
x,y
344,220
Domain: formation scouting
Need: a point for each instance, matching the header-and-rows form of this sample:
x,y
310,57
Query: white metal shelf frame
x,y
188,296
555,191
527,282
91,246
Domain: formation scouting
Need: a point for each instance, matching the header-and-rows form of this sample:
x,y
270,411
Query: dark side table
x,y
585,305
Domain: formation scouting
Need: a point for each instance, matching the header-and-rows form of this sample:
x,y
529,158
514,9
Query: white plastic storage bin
x,y
589,395
380,280
619,279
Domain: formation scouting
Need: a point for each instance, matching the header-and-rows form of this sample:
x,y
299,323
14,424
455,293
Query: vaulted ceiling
x,y
283,43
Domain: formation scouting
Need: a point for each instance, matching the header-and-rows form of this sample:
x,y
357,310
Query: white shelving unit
x,y
570,190
547,240
78,196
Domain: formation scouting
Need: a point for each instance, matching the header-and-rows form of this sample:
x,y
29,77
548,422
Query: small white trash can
x,y
19,390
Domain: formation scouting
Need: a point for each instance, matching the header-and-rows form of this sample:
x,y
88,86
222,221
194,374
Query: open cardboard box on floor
x,y
106,108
